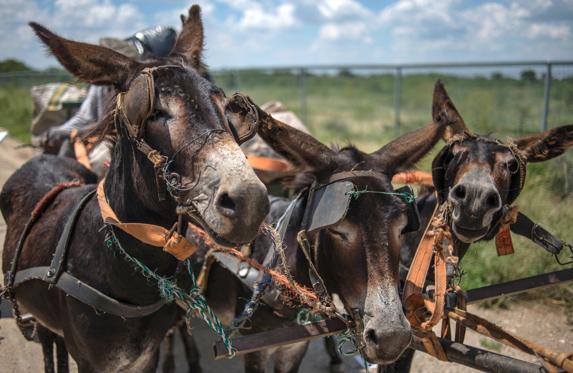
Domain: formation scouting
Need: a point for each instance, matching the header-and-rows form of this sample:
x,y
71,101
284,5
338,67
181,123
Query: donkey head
x,y
357,254
481,176
170,115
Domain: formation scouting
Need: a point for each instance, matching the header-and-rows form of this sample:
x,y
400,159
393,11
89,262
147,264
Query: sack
x,y
54,103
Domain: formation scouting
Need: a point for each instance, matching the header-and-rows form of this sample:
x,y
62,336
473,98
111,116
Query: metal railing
x,y
399,70
302,80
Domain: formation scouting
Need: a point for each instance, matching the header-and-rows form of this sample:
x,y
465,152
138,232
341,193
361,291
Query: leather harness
x,y
56,275
292,228
425,311
170,240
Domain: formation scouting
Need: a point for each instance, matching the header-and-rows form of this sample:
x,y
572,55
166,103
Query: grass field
x,y
359,109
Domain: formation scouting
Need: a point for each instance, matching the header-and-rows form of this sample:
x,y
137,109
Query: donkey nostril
x,y
492,200
371,336
226,204
460,192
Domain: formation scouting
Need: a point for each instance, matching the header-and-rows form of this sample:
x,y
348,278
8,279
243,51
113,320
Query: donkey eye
x,y
512,166
337,234
157,114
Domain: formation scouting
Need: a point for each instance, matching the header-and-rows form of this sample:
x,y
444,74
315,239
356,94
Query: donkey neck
x,y
131,191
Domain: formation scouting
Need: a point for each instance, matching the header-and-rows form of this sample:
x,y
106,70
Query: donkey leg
x,y
47,339
335,358
256,362
191,350
62,355
169,362
289,358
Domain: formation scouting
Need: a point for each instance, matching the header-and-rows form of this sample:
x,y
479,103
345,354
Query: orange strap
x,y
269,164
80,150
154,235
413,177
421,262
412,296
503,242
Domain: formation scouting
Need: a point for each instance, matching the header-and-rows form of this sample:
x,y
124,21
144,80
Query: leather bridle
x,y
135,128
446,162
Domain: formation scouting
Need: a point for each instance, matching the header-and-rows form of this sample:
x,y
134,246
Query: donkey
x,y
164,107
480,177
356,256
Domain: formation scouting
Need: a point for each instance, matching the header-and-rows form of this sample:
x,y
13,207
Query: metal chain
x,y
8,293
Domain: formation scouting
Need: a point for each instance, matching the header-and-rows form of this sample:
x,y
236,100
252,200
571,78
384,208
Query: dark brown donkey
x,y
357,256
480,177
169,106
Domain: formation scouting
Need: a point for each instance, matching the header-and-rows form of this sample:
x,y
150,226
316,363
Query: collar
x,y
169,240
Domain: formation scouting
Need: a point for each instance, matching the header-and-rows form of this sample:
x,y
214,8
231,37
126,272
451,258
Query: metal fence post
x,y
546,97
235,80
397,94
303,95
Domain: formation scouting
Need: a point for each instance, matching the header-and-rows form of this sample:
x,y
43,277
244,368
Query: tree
x,y
528,76
11,65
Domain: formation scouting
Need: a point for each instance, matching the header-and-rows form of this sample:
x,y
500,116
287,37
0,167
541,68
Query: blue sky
x,y
245,33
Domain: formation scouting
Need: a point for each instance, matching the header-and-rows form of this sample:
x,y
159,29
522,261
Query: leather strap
x,y
59,258
269,164
169,240
413,177
503,242
80,150
433,243
84,293
524,226
421,262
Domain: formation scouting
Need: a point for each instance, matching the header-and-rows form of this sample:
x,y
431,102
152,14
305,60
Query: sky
x,y
247,33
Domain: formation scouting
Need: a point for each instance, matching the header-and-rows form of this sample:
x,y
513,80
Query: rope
x,y
170,291
408,197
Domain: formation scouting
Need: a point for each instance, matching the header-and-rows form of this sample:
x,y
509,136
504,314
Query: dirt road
x,y
545,323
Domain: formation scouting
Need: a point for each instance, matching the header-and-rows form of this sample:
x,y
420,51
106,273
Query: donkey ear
x,y
404,152
189,44
445,113
90,63
546,145
299,148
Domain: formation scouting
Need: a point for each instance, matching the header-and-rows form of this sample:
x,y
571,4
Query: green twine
x,y
408,197
347,337
306,316
170,291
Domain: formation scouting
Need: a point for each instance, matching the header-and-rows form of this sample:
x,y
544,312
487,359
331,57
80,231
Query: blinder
x,y
243,127
138,102
328,205
443,168
412,212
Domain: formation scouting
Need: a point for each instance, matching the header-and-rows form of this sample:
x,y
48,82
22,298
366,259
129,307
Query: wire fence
x,y
361,102
370,104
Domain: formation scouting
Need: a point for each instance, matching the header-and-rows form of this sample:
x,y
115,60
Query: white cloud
x,y
539,30
257,18
345,31
342,9
85,20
